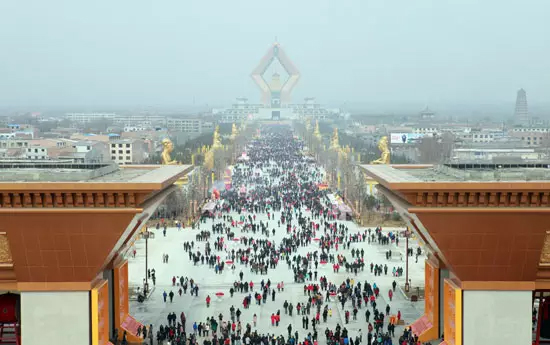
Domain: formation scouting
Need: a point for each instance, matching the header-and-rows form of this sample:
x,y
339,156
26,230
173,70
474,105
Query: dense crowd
x,y
279,182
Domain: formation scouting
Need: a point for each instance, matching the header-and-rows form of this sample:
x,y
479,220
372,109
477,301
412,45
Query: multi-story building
x,y
89,117
44,149
128,151
146,120
238,112
187,125
312,109
531,136
87,152
37,153
14,143
426,130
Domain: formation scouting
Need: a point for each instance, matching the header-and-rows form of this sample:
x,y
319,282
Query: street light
x,y
407,285
146,235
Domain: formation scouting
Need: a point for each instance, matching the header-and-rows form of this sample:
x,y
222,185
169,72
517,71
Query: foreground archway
x,y
485,230
64,232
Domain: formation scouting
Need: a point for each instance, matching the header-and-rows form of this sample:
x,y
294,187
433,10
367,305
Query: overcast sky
x,y
168,53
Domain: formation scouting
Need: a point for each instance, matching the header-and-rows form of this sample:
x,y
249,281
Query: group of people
x,y
278,188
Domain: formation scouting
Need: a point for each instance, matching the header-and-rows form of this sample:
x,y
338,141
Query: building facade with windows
x,y
127,151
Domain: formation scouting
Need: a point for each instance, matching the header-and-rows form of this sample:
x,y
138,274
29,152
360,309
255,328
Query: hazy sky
x,y
105,53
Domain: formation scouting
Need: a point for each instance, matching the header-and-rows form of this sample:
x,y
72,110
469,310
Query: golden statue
x,y
217,141
234,131
167,147
385,152
335,142
316,132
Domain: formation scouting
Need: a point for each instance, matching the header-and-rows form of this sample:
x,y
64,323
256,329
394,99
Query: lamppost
x,y
146,287
407,234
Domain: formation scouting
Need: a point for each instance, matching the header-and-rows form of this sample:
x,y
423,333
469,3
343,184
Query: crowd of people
x,y
277,188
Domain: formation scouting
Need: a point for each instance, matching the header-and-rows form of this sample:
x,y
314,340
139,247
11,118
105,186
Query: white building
x,y
189,125
426,130
146,120
127,151
489,154
89,117
14,143
37,153
314,110
238,112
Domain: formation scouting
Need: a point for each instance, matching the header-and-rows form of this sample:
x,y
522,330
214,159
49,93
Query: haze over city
x,y
374,55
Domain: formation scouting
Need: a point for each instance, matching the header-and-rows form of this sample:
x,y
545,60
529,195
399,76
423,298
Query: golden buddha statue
x,y
335,142
216,140
385,152
316,132
234,131
168,147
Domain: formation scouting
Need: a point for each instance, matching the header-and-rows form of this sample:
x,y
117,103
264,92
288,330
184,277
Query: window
x,y
119,145
120,151
88,148
127,145
43,150
113,151
113,157
120,158
127,151
128,158
113,145
35,150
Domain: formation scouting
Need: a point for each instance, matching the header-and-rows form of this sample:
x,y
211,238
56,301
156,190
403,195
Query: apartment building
x,y
128,151
89,117
119,119
189,125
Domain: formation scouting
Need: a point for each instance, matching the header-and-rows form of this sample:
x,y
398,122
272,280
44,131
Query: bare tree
x,y
437,149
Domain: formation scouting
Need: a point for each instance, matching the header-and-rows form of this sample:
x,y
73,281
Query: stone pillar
x,y
55,317
123,320
452,309
427,327
100,318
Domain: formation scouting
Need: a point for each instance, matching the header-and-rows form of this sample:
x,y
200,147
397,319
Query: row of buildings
x,y
521,139
77,149
143,122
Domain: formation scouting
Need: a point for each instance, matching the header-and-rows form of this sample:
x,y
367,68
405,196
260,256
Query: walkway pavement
x,y
154,310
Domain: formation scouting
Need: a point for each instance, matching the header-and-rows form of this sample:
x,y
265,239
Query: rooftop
x,y
456,176
97,176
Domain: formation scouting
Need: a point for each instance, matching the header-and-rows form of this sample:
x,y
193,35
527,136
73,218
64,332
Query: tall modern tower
x,y
275,92
521,113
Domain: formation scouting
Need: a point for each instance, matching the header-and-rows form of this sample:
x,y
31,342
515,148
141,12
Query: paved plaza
x,y
155,310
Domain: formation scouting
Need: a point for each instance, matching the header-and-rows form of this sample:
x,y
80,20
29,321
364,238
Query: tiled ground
x,y
154,310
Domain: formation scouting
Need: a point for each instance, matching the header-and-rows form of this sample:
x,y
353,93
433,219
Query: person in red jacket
x,y
208,301
390,294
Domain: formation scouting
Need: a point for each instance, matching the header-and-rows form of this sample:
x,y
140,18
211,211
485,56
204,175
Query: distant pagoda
x,y
521,114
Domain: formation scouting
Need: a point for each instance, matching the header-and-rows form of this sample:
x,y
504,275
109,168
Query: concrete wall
x,y
55,318
497,317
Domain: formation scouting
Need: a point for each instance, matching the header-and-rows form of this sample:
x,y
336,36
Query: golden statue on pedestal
x,y
335,142
385,152
168,147
234,131
216,140
316,132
